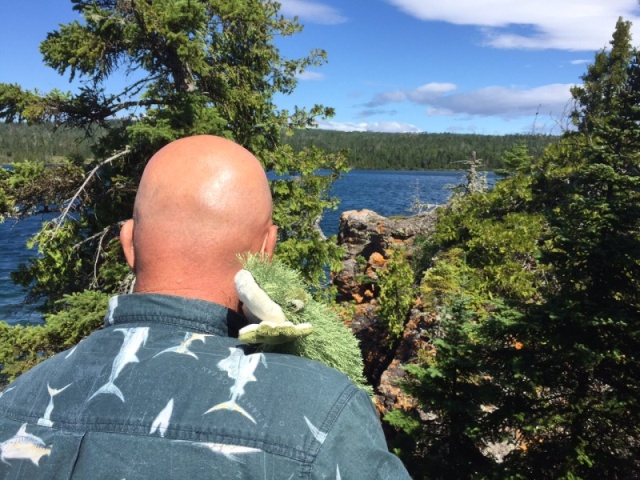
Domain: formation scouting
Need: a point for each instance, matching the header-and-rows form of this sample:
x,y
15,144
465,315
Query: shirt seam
x,y
330,420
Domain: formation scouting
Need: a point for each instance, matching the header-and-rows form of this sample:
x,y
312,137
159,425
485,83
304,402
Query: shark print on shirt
x,y
239,367
161,423
134,338
229,451
113,304
46,418
71,352
6,390
317,434
183,348
24,446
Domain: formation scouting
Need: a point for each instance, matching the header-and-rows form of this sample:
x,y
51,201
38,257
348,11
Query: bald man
x,y
165,390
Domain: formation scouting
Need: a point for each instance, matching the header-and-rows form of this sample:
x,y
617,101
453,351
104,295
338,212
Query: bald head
x,y
201,201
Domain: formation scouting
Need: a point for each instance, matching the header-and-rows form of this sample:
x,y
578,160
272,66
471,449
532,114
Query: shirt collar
x,y
196,315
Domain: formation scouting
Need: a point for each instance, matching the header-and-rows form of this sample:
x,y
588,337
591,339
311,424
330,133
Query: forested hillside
x,y
365,150
19,142
417,151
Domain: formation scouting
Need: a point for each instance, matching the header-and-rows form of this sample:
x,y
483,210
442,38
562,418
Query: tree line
x,y
363,150
45,143
417,151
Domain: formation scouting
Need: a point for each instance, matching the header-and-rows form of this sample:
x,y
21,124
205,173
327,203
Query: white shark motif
x,y
70,352
134,338
317,434
229,451
239,367
113,304
46,418
6,390
161,423
23,445
183,348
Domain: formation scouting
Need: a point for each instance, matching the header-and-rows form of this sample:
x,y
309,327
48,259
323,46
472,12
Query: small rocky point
x,y
367,239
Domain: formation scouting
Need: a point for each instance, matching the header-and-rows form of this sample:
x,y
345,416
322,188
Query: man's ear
x,y
126,239
269,243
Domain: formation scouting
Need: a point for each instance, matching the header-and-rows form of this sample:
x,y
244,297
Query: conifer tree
x,y
559,363
192,67
586,337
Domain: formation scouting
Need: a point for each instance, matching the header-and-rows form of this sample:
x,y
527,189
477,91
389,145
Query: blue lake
x,y
388,192
385,192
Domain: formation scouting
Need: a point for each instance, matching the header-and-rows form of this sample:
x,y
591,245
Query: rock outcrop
x,y
367,238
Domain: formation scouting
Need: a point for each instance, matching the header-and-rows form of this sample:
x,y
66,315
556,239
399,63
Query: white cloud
x,y
311,12
387,127
439,112
531,24
422,94
497,101
375,111
314,76
508,102
435,87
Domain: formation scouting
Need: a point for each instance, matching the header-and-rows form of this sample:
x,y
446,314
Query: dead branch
x,y
60,220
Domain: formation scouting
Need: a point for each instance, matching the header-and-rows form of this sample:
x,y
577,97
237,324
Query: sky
x,y
460,66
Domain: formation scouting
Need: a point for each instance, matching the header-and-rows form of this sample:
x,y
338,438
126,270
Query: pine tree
x,y
574,402
556,346
195,67
586,337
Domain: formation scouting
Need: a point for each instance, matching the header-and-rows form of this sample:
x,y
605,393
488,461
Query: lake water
x,y
385,192
388,192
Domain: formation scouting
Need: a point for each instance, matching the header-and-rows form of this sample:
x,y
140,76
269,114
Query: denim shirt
x,y
163,392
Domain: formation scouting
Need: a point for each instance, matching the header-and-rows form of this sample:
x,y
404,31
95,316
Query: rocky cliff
x,y
367,238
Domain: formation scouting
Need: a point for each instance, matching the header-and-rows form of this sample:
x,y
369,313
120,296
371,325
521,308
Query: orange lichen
x,y
377,260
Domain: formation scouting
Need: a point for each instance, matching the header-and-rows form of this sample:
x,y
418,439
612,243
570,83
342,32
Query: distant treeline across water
x,y
365,150
418,151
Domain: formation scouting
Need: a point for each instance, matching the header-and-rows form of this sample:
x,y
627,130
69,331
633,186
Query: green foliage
x,y
397,292
37,187
371,150
515,160
588,188
451,389
499,238
547,266
43,142
22,347
6,201
301,195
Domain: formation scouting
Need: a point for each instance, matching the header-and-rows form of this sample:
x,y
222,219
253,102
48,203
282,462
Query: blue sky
x,y
463,66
